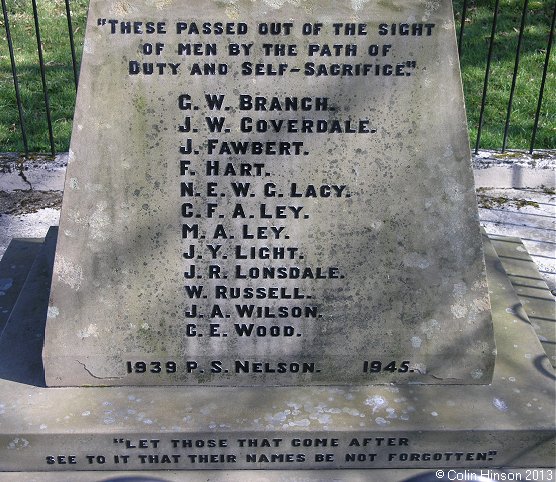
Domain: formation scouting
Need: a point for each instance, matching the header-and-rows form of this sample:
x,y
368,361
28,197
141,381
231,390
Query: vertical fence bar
x,y
43,78
15,79
545,70
514,78
487,74
72,45
462,26
460,45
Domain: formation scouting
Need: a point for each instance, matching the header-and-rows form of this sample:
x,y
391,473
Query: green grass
x,y
59,73
533,53
475,46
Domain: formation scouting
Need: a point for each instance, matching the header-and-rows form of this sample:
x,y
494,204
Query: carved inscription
x,y
284,204
241,259
270,451
246,272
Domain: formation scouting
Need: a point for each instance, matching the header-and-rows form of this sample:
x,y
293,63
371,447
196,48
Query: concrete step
x,y
14,268
531,289
27,320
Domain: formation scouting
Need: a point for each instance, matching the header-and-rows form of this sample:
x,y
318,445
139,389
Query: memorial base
x,y
509,423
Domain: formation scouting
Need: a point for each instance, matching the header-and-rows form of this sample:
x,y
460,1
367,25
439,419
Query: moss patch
x,y
486,201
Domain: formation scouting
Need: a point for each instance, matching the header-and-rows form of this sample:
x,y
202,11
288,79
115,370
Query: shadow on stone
x,y
14,268
22,340
541,368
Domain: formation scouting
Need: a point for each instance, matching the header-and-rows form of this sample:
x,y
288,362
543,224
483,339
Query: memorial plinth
x,y
269,195
269,209
509,423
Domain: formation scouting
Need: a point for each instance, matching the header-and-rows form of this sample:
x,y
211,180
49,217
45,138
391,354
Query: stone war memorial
x,y
269,258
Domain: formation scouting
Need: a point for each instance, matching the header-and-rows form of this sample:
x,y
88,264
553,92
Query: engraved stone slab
x,y
509,423
263,193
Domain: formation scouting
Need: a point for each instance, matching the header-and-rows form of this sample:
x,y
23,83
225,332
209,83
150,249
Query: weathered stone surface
x,y
509,423
305,215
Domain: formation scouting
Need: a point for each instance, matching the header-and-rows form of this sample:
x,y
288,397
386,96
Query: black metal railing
x,y
491,43
42,69
461,7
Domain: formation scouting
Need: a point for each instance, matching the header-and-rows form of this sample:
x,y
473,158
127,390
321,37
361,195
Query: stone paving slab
x,y
529,214
39,173
515,169
531,290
